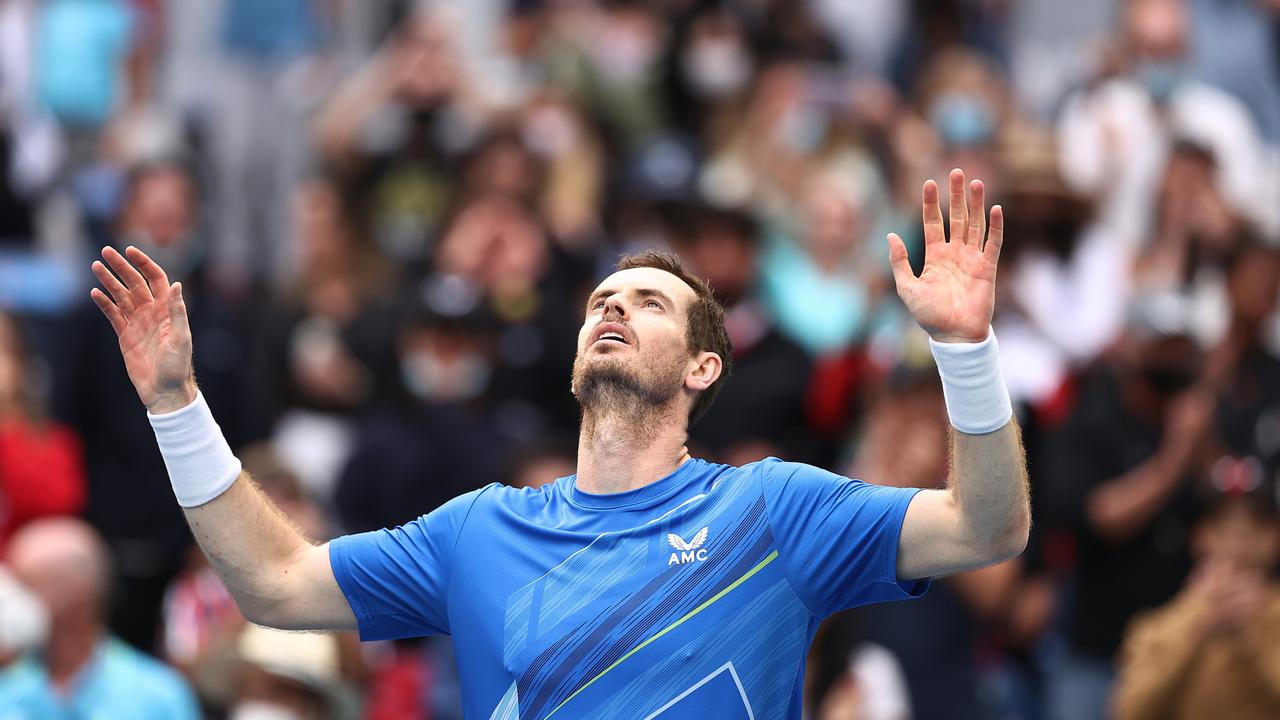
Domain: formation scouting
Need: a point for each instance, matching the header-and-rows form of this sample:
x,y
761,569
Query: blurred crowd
x,y
386,214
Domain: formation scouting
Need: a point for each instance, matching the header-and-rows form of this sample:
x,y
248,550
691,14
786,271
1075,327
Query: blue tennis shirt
x,y
694,597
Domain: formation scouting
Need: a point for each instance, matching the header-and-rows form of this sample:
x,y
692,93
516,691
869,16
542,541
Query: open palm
x,y
955,294
150,319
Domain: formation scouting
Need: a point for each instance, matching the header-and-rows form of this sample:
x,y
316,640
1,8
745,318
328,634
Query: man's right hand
x,y
150,319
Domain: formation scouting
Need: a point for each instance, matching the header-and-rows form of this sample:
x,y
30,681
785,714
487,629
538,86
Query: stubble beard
x,y
610,389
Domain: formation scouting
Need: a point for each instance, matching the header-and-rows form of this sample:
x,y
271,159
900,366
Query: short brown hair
x,y
705,331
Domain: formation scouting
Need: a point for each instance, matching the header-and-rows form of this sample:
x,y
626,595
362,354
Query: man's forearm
x,y
988,481
250,544
988,478
276,576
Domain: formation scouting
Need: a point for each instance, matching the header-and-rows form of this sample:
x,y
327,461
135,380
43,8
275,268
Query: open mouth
x,y
610,333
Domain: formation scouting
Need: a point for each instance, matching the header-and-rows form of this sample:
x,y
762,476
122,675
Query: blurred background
x,y
386,215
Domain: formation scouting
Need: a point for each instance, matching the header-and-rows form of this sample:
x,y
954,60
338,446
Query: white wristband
x,y
200,463
977,399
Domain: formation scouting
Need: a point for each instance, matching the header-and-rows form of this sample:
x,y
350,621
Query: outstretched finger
x,y
177,308
108,308
156,279
977,214
995,236
128,275
931,209
899,263
119,294
959,224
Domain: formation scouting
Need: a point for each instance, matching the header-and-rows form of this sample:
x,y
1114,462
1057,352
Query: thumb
x,y
177,306
898,262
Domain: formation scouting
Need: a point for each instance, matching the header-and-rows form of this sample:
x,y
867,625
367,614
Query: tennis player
x,y
650,584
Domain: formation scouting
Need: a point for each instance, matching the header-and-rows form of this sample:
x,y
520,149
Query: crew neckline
x,y
657,490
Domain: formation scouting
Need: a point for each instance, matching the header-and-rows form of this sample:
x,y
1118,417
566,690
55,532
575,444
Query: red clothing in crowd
x,y
41,473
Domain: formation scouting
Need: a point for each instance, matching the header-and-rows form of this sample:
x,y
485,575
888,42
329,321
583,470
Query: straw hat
x,y
308,659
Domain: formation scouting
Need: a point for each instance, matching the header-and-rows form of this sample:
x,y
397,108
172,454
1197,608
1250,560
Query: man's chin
x,y
605,371
611,380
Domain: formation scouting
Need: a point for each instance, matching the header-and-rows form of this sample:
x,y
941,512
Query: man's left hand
x,y
955,295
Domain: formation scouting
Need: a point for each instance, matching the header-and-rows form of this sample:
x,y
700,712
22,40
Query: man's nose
x,y
613,305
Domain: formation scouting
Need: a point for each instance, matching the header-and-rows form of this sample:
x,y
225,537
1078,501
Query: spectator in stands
x,y
1066,283
387,128
325,345
1195,233
1214,651
1119,472
826,255
848,678
83,671
1244,367
1116,134
287,675
269,80
80,62
24,620
966,99
442,438
496,256
1234,46
41,462
762,412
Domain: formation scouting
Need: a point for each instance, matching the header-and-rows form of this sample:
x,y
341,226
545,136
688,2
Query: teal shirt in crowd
x,y
118,682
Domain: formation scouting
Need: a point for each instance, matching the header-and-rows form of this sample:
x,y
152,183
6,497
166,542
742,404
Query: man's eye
x,y
599,304
653,303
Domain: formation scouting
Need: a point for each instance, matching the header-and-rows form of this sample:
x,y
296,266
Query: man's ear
x,y
705,370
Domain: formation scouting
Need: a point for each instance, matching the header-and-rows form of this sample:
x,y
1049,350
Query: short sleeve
x,y
397,581
837,537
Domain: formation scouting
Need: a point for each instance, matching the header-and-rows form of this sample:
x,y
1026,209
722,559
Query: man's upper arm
x,y
933,542
318,600
396,582
936,540
837,537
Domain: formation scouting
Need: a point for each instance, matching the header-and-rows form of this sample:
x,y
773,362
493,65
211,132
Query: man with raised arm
x,y
650,584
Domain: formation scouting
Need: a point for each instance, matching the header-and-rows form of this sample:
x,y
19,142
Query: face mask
x,y
99,190
623,56
716,68
550,132
963,120
1161,79
802,128
256,710
428,378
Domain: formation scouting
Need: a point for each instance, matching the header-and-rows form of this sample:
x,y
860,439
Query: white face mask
x,y
462,378
258,710
716,68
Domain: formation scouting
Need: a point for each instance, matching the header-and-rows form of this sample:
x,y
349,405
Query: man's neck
x,y
68,651
621,451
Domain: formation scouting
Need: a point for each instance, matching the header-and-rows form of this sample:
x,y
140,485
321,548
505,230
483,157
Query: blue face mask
x,y
1160,77
963,120
100,190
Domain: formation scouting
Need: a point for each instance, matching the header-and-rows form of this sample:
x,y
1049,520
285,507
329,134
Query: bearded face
x,y
633,352
607,379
